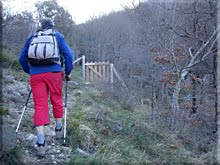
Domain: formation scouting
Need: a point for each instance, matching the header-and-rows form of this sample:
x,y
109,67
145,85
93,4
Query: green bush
x,y
73,133
12,158
4,111
10,60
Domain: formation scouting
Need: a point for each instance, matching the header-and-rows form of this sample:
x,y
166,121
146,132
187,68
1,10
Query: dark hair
x,y
47,23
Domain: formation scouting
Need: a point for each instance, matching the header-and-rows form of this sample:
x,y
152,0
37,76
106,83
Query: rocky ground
x,y
100,131
15,92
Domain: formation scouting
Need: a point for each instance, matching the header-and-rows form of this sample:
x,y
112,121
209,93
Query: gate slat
x,y
100,71
107,73
87,73
95,75
103,71
91,70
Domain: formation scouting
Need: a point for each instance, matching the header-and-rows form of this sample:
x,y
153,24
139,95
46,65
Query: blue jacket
x,y
64,49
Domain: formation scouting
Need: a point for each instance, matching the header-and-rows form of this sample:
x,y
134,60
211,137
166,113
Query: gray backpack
x,y
43,49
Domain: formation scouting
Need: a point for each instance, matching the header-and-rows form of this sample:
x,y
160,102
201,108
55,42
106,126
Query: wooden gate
x,y
97,71
94,72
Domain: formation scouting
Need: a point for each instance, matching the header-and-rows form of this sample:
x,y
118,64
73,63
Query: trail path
x,y
15,93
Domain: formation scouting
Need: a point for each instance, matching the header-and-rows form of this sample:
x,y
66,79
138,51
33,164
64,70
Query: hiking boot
x,y
41,149
59,133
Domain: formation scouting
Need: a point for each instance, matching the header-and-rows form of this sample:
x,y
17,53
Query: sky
x,y
81,10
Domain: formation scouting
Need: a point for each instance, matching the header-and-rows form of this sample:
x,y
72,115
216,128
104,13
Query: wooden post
x,y
96,78
103,72
99,69
83,69
111,73
91,75
87,74
107,72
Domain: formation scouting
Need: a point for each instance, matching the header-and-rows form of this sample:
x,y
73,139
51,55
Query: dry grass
x,y
124,136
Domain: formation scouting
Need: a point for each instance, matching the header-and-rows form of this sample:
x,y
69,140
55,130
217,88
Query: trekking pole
x,y
65,109
23,111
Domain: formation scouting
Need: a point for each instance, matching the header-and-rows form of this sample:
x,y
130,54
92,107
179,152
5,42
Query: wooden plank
x,y
94,71
95,75
100,72
83,68
87,74
91,70
107,72
103,72
95,63
111,73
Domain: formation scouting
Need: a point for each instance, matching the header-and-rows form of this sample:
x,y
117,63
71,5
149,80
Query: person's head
x,y
47,23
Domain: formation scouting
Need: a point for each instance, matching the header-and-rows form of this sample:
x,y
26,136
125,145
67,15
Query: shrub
x,y
10,60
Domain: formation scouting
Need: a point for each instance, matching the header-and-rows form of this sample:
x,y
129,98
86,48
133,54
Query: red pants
x,y
42,85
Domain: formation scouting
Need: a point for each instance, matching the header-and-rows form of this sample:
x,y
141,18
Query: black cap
x,y
47,23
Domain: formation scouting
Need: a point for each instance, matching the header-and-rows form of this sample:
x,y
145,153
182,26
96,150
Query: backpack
x,y
43,49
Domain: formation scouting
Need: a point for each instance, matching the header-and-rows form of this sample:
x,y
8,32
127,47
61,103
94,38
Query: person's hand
x,y
68,77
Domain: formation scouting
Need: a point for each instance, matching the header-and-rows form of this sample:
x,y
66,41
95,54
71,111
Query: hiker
x,y
41,58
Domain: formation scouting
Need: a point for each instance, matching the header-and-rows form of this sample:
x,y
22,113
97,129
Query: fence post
x,y
111,76
83,69
111,73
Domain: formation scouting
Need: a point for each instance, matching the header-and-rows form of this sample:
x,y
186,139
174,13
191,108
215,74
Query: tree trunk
x,y
215,88
194,106
218,90
175,105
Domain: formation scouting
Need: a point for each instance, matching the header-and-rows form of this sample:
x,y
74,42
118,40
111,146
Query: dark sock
x,y
58,126
40,138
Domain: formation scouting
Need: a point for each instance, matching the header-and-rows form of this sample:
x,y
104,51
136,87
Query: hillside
x,y
100,130
149,89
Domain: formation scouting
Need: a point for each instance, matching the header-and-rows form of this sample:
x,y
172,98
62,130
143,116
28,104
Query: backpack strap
x,y
54,44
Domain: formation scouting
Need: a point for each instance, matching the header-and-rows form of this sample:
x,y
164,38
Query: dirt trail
x,y
15,93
